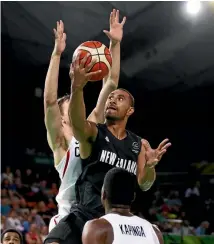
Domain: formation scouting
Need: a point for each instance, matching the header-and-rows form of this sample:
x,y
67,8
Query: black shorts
x,y
69,229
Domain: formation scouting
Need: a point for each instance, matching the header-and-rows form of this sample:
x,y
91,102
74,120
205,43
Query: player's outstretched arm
x,y
147,160
110,83
51,108
83,130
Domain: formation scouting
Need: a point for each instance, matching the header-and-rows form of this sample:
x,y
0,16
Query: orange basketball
x,y
99,53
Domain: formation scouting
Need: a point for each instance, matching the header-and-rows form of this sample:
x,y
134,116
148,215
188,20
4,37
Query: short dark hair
x,y
132,100
61,101
119,187
12,230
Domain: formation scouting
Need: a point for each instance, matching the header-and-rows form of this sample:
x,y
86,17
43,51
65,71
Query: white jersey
x,y
69,170
128,230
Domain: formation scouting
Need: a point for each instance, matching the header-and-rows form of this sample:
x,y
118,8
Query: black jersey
x,y
107,152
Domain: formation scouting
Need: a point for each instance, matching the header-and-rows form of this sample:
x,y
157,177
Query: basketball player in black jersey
x,y
118,218
104,146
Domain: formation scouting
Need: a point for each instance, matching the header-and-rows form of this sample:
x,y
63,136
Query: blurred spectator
x,y
8,175
201,230
3,220
20,188
27,219
44,233
37,219
44,212
53,191
5,207
51,205
23,206
13,222
33,237
18,173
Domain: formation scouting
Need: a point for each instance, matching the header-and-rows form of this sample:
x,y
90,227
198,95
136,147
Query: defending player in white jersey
x,y
119,226
59,132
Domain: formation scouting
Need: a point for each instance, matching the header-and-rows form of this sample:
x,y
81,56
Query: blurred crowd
x,y
189,213
28,203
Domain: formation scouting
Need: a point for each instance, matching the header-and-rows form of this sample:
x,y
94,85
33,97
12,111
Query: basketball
x,y
99,53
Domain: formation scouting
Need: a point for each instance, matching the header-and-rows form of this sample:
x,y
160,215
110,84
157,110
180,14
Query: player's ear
x,y
130,111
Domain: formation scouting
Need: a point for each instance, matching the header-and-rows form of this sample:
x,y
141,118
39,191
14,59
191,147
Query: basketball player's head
x,y
118,189
63,103
11,236
119,105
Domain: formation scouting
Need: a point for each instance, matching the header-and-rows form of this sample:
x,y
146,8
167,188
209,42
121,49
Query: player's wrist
x,y
76,88
115,43
56,54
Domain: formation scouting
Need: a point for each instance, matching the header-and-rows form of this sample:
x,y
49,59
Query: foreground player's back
x,y
131,229
114,228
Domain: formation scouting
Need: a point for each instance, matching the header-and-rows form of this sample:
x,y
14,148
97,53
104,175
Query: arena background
x,y
167,64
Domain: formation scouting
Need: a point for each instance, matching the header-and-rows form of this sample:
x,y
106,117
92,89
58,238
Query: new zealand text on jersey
x,y
112,159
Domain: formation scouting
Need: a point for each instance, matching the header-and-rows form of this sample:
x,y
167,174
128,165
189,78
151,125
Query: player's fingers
x,y
166,146
162,143
71,71
77,61
146,144
113,16
124,21
64,36
55,32
62,25
117,17
110,18
60,30
83,61
161,153
57,25
89,66
88,75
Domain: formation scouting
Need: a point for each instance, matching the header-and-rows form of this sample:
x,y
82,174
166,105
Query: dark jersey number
x,y
77,149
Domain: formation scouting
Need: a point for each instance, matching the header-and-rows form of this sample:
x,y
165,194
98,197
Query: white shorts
x,y
55,220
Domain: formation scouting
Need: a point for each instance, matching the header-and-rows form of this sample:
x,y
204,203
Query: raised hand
x,y
79,71
60,38
116,28
153,156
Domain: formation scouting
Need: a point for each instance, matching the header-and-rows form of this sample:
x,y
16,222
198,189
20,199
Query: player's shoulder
x,y
96,229
133,135
97,223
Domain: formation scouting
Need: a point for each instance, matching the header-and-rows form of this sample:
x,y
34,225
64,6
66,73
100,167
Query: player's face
x,y
118,106
11,238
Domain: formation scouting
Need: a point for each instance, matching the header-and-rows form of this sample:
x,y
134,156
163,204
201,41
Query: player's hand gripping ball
x,y
99,53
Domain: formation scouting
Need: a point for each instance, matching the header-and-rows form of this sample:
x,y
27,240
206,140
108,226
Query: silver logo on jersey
x,y
107,139
135,147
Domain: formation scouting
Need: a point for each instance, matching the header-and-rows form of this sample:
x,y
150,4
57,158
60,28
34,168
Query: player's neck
x,y
117,128
119,209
